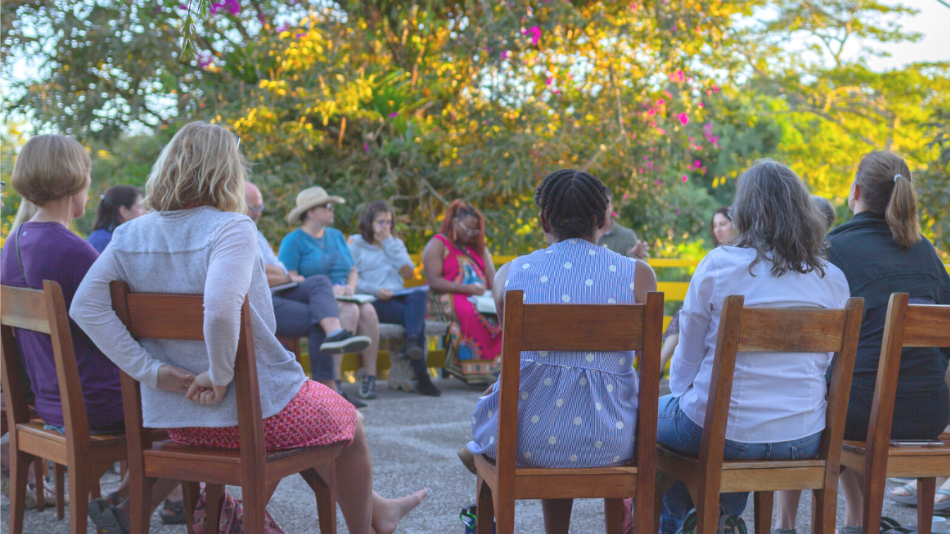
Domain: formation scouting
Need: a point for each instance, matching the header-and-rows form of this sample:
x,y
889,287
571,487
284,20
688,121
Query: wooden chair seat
x,y
747,475
538,483
901,461
199,464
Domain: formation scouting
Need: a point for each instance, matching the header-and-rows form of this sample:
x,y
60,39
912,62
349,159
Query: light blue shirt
x,y
329,255
267,253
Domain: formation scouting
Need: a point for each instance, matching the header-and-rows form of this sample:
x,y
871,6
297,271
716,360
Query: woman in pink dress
x,y
457,266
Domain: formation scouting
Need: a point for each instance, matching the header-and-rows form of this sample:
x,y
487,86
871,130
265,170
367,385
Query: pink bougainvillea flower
x,y
182,7
205,60
614,214
550,81
708,92
684,179
658,181
661,131
684,118
535,33
660,102
504,54
299,35
366,147
697,164
232,5
702,105
394,114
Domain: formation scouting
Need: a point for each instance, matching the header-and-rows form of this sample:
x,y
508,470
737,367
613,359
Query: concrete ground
x,y
413,441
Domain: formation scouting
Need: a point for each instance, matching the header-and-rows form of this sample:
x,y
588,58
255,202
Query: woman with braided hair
x,y
458,265
577,409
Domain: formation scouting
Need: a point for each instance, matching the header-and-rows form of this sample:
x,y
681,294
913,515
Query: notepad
x,y
359,299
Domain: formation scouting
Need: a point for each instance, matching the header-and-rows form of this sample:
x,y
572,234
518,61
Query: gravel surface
x,y
413,441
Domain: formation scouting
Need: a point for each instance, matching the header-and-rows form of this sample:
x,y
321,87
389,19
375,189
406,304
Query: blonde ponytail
x,y
887,188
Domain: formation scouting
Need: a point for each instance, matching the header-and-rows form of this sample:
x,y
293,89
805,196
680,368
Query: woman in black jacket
x,y
881,251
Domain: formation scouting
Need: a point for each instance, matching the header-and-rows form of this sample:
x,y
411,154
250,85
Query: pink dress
x,y
473,336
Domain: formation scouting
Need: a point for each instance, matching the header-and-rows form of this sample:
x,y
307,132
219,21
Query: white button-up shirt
x,y
267,253
776,396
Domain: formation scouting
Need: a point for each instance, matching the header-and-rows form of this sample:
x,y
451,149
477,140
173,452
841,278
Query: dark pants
x,y
919,417
410,311
299,311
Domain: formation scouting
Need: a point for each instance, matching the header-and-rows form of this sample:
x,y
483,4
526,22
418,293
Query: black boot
x,y
425,385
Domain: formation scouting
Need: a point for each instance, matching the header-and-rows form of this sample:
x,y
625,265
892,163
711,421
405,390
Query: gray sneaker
x,y
367,385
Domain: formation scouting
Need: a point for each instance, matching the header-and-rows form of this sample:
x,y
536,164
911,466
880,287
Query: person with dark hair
x,y
721,229
316,248
778,403
572,397
826,208
457,266
383,264
620,239
119,204
881,251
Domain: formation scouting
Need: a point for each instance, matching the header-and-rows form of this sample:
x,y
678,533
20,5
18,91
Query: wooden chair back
x,y
583,327
781,330
181,317
41,311
906,325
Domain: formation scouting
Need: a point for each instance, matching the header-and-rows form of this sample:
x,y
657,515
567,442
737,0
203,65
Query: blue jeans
x,y
410,311
680,433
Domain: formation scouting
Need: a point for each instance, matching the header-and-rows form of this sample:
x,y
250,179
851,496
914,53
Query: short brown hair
x,y
51,167
200,166
887,188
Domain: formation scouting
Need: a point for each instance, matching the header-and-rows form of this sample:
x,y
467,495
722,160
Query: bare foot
x,y
388,512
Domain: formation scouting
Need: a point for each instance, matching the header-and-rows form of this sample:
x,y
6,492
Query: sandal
x,y
942,505
910,500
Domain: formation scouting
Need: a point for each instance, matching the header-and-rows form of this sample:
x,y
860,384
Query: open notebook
x,y
484,303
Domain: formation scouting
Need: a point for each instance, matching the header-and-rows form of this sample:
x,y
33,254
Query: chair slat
x,y
587,331
791,330
926,326
154,316
24,308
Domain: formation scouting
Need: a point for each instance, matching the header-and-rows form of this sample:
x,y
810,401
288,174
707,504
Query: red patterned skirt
x,y
317,415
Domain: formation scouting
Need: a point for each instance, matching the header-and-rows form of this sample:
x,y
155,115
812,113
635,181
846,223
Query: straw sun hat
x,y
308,199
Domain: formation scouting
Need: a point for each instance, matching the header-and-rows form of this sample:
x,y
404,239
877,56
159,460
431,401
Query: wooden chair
x,y
573,327
770,330
907,325
257,471
88,457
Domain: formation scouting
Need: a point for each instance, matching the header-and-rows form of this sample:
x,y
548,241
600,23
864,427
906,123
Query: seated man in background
x,y
620,239
308,308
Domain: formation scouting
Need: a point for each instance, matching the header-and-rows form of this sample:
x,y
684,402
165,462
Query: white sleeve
x,y
92,311
695,317
231,264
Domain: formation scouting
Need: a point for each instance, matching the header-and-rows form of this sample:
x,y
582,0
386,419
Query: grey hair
x,y
775,215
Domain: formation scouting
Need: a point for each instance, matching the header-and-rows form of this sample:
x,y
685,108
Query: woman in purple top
x,y
52,172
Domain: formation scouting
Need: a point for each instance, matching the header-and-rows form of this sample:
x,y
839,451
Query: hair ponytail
x,y
107,214
887,189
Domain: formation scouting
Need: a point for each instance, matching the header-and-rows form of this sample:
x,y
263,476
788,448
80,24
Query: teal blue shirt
x,y
329,255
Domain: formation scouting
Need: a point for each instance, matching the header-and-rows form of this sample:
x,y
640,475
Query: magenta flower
x,y
394,114
658,181
366,147
205,60
550,81
684,118
535,33
684,179
299,35
233,6
282,28
697,164
504,54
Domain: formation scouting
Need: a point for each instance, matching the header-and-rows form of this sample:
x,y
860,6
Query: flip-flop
x,y
942,505
910,500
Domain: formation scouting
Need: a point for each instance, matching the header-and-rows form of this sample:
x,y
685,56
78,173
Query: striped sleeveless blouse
x,y
577,409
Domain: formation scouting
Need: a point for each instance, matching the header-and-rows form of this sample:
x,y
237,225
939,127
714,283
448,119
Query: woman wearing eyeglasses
x,y
457,266
316,248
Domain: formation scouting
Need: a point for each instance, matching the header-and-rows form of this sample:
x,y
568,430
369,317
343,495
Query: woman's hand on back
x,y
174,379
203,391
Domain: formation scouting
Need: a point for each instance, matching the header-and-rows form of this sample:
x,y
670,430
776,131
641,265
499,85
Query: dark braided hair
x,y
573,202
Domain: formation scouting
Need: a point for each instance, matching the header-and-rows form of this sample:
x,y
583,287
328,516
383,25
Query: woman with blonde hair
x,y
198,227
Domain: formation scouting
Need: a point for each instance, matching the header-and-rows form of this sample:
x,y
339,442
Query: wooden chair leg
x,y
140,504
78,504
613,516
762,501
926,488
19,469
485,508
214,497
95,491
707,510
824,510
59,480
39,474
323,484
191,492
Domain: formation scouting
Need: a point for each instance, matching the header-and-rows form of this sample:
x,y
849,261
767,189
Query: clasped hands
x,y
197,389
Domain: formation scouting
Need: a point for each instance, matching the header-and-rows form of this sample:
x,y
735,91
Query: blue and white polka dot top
x,y
577,409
